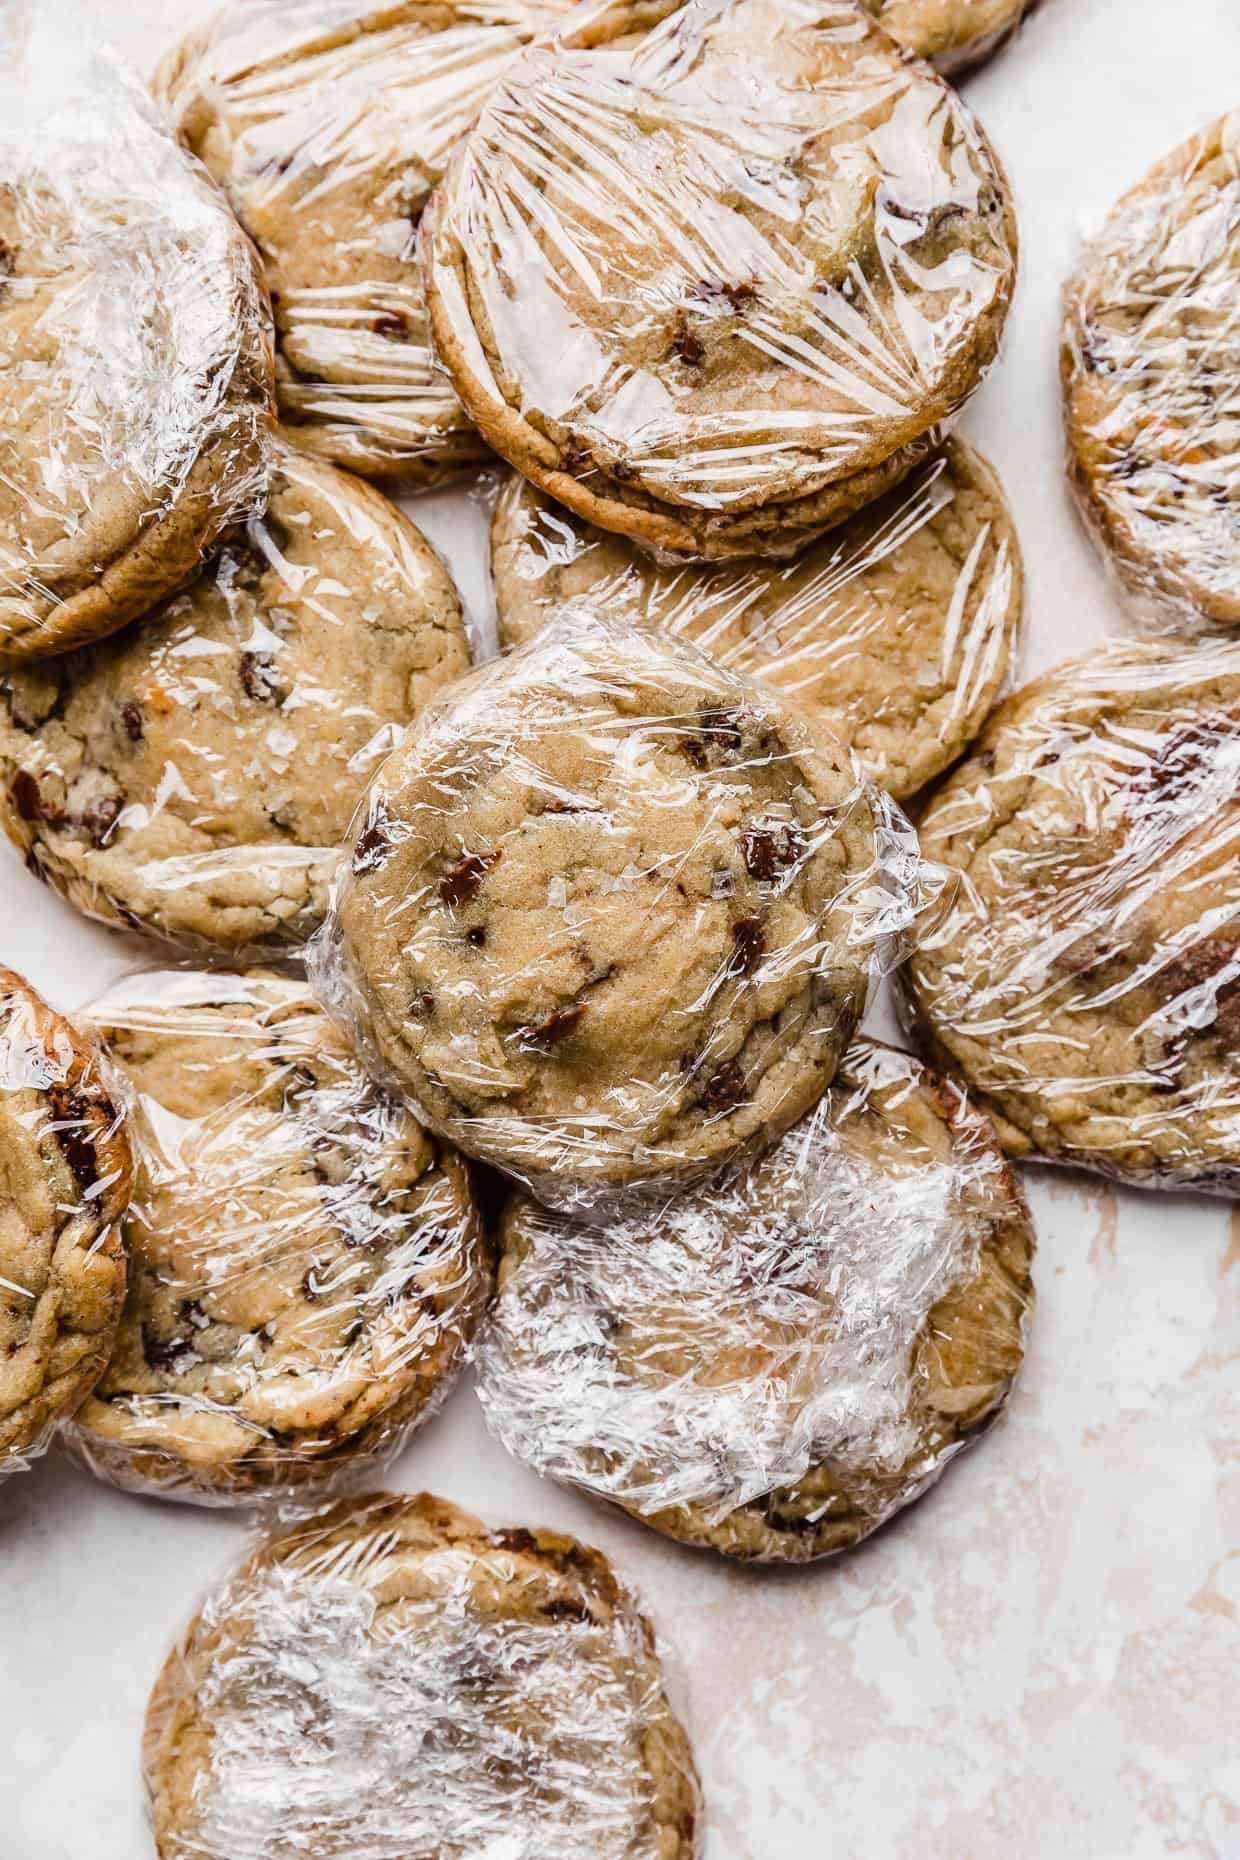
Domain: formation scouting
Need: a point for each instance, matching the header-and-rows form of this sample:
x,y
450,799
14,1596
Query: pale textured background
x,y
1041,1658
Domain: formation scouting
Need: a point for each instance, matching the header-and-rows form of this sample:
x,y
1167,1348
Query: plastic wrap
x,y
612,911
393,1681
135,356
1149,357
194,775
713,289
328,122
65,1168
953,34
897,629
307,1265
775,1363
1086,980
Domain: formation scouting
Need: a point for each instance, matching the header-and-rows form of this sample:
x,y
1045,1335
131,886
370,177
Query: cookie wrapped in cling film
x,y
1085,979
135,353
1149,357
715,287
327,125
613,911
897,628
774,1363
393,1679
192,777
954,34
65,1171
306,1263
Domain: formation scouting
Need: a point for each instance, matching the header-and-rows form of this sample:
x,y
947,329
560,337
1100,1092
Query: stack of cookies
x,y
581,938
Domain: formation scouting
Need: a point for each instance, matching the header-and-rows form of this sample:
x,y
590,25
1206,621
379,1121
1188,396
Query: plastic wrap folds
x,y
307,1265
613,911
393,1680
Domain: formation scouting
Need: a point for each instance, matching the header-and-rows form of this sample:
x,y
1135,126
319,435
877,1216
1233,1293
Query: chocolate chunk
x,y
194,1314
168,1354
1190,758
27,799
574,453
544,1034
422,1005
258,678
748,946
75,1119
131,717
100,816
686,343
737,295
725,1088
776,1520
1198,965
391,323
477,936
622,470
770,849
565,1608
522,1541
372,842
462,880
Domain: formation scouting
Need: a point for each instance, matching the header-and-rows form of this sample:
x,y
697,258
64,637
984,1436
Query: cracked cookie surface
x,y
306,1263
394,1679
193,777
65,1167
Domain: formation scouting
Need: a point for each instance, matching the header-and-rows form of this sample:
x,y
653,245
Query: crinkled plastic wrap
x,y
65,1169
135,356
612,911
328,122
307,1265
896,629
954,34
1150,355
392,1680
1086,980
714,287
193,776
776,1362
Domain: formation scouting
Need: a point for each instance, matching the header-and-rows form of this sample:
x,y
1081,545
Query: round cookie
x,y
307,1265
135,375
65,1168
896,629
393,1678
612,911
953,34
776,1363
1087,980
769,254
328,127
194,776
1149,357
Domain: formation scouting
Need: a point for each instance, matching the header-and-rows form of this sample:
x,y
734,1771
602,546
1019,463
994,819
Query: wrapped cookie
x,y
954,35
394,1679
775,1363
306,1263
612,911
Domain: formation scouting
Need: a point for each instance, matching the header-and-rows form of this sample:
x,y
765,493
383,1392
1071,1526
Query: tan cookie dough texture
x,y
392,1677
713,291
776,1363
328,126
953,34
1087,980
306,1264
1150,357
612,910
65,1168
194,776
897,628
135,374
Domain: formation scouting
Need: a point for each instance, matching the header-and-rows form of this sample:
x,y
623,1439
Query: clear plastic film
x,y
613,910
714,287
1149,357
394,1680
135,352
306,1264
193,776
954,34
776,1362
897,629
65,1168
328,124
1086,979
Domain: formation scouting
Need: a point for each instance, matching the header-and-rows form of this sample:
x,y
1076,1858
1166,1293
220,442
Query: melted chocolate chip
x,y
725,1088
686,343
100,816
391,323
167,1354
462,880
258,678
769,850
522,1541
565,1608
131,718
27,799
477,936
546,1033
372,842
748,946
75,1134
422,1005
194,1314
737,295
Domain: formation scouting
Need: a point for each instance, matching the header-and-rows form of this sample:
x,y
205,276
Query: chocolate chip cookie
x,y
328,127
897,628
135,374
392,1678
714,289
65,1169
612,910
306,1263
193,776
1087,980
953,34
774,1364
1149,358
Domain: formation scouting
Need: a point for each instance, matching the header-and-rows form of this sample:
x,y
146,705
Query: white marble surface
x,y
1041,1659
